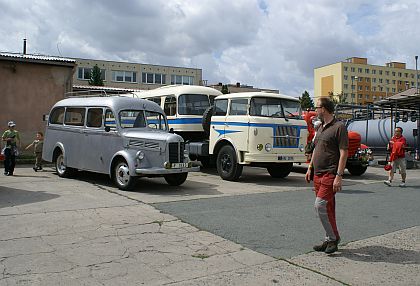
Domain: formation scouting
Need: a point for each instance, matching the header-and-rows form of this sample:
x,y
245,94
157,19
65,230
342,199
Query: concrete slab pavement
x,y
71,232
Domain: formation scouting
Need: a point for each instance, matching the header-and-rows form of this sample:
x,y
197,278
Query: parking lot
x,y
258,231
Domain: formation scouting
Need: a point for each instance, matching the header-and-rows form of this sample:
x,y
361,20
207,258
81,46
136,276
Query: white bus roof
x,y
256,94
177,89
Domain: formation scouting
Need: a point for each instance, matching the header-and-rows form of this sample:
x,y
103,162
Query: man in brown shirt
x,y
328,161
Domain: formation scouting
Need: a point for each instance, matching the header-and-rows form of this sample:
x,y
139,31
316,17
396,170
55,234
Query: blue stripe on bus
x,y
185,121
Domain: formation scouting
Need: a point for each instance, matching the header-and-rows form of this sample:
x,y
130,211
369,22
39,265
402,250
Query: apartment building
x,y
135,75
357,82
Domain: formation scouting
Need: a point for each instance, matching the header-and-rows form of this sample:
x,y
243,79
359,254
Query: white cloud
x,y
265,43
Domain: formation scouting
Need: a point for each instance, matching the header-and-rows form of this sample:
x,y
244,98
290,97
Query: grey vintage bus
x,y
120,136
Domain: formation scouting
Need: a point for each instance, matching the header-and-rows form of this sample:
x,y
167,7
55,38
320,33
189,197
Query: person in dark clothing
x,y
328,163
12,139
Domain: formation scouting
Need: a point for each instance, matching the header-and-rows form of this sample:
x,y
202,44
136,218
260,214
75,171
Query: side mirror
x,y
107,128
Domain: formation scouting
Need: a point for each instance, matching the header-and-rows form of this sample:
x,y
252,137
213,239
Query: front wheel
x,y
122,177
227,164
62,170
356,170
176,179
281,170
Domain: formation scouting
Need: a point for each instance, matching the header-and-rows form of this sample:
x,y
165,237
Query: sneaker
x,y
6,173
35,169
39,168
332,246
402,185
321,247
388,183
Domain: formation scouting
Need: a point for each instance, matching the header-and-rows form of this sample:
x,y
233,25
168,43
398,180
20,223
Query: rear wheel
x,y
176,179
280,170
227,164
356,170
62,170
122,177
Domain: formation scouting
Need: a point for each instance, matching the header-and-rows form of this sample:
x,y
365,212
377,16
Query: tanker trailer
x,y
379,132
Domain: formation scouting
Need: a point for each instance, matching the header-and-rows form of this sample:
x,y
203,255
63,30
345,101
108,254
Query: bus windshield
x,y
275,107
193,104
141,118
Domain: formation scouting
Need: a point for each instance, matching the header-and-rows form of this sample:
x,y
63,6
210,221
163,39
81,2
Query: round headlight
x,y
140,155
268,147
167,165
186,155
260,147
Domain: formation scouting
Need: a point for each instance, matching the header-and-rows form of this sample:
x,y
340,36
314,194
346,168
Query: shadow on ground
x,y
10,197
153,186
376,253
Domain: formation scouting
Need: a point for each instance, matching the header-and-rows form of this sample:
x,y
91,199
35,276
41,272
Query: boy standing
x,y
37,144
397,146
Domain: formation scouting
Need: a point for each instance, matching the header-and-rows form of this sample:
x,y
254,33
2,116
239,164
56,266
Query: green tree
x,y
337,98
95,77
306,101
225,89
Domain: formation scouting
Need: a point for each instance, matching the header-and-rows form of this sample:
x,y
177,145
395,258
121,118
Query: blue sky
x,y
264,43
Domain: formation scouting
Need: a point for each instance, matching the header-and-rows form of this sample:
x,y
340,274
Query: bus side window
x,y
110,119
170,105
94,117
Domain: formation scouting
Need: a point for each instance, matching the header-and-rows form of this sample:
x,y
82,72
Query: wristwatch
x,y
339,174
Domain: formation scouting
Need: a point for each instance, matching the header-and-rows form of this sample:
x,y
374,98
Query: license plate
x,y
179,165
285,158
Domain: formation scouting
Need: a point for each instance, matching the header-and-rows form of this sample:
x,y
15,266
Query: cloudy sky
x,y
264,43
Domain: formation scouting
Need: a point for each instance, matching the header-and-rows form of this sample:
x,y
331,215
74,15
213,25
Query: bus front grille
x,y
176,152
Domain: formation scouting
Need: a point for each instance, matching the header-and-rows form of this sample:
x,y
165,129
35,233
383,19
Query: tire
x,y
357,170
207,119
280,170
176,179
206,162
122,177
62,170
227,164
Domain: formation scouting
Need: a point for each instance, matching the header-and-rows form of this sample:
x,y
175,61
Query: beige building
x,y
30,85
355,81
238,87
136,75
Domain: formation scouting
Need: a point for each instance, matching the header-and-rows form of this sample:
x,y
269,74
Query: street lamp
x,y
352,95
417,76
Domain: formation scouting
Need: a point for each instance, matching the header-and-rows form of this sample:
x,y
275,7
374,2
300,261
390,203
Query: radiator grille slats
x,y
286,136
176,152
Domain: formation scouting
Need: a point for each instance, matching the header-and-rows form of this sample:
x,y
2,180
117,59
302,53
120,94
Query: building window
x,y
380,72
412,75
393,89
346,86
374,80
387,81
412,83
373,71
360,79
367,88
352,69
360,96
368,79
387,72
151,78
381,88
353,95
393,73
346,77
124,76
85,73
182,79
399,74
360,87
366,70
393,81
406,74
374,88
360,70
399,82
380,80
345,68
367,96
